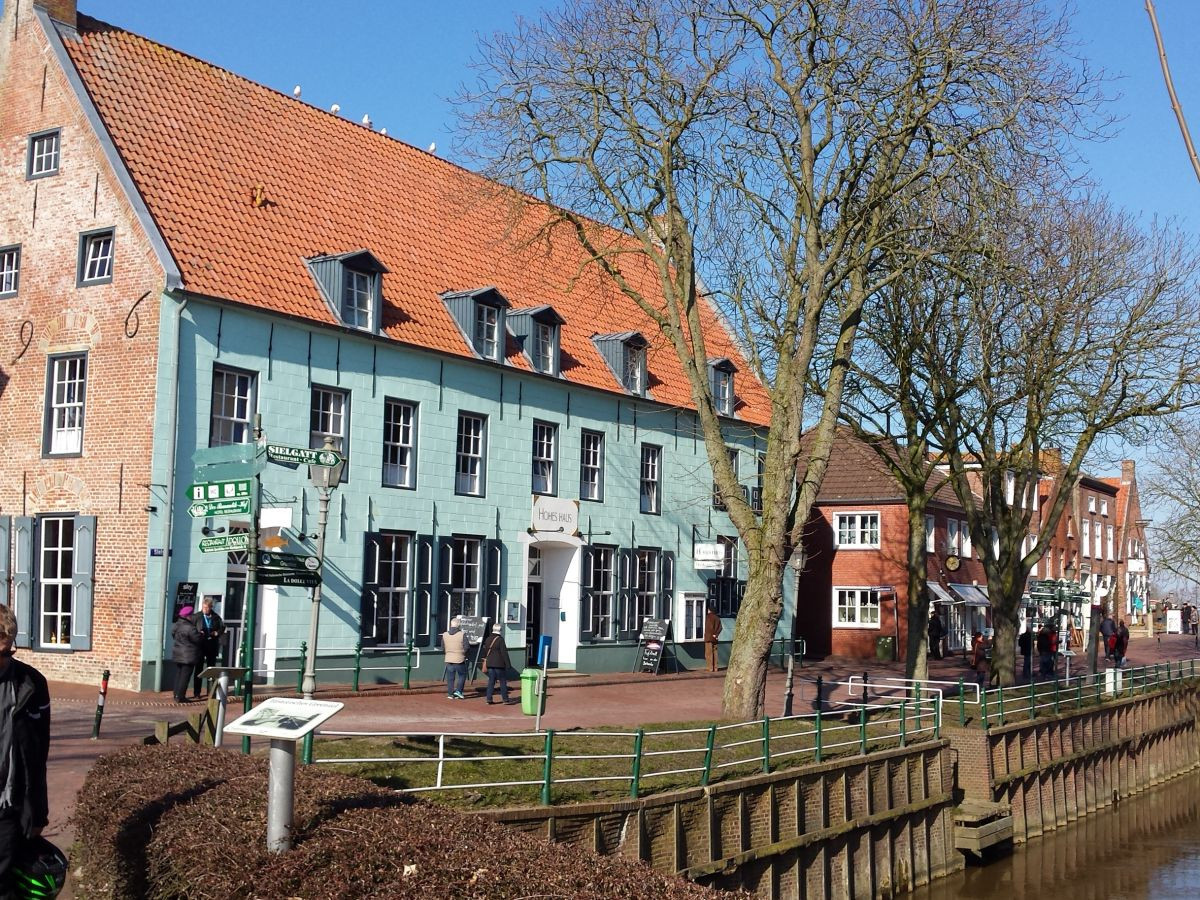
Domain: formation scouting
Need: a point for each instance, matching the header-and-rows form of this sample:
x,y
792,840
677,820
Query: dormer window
x,y
625,354
537,330
635,369
480,315
721,373
351,284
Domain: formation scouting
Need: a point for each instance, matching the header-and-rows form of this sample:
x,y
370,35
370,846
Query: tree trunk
x,y
915,663
758,618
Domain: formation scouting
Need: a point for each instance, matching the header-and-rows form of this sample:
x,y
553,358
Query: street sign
x,y
291,561
301,456
236,507
225,543
231,489
289,577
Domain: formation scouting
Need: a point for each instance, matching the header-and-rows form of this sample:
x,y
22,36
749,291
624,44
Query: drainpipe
x,y
169,506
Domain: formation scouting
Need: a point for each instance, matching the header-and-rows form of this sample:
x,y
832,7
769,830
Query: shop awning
x,y
970,594
940,594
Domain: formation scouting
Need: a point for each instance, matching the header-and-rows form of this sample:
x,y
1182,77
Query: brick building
x,y
185,250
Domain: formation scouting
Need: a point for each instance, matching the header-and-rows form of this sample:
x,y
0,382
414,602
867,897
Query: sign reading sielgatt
x,y
301,456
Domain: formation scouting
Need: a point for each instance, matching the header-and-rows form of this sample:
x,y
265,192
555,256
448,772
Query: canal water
x,y
1147,848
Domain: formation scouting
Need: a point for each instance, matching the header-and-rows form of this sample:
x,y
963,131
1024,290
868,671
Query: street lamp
x,y
325,479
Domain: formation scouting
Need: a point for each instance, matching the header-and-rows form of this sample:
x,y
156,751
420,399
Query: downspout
x,y
160,653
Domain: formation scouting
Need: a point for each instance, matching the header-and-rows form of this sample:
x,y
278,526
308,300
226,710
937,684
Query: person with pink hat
x,y
185,651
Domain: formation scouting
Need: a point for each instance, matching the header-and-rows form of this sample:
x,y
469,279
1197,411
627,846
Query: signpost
x,y
302,456
222,675
284,720
228,489
237,506
226,543
288,577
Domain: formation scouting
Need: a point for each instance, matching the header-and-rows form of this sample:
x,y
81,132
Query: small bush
x,y
190,822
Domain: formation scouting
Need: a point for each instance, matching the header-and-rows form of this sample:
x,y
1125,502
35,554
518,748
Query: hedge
x,y
190,822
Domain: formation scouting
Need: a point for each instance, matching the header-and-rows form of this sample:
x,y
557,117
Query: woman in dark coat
x,y
185,651
495,660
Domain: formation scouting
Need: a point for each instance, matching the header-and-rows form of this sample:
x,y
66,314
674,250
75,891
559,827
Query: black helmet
x,y
40,870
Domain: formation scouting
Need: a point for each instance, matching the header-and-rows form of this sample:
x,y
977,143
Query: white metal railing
x,y
894,683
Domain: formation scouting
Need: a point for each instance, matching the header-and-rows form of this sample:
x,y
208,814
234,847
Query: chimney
x,y
1127,469
1051,462
59,10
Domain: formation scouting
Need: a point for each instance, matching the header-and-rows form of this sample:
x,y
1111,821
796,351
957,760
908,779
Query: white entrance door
x,y
559,569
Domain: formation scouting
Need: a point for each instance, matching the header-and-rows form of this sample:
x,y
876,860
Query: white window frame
x,y
930,534
591,465
54,627
693,607
10,270
487,331
66,404
470,470
1091,504
394,592
854,531
841,597
399,443
544,357
544,468
635,369
97,252
1104,506
964,538
647,573
358,295
1110,536
45,153
650,480
329,416
1085,538
466,566
604,593
723,391
232,410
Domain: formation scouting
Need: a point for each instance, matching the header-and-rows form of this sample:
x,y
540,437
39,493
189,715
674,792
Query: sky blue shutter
x,y
369,600
424,590
22,577
628,628
493,574
83,580
441,593
667,584
5,544
586,598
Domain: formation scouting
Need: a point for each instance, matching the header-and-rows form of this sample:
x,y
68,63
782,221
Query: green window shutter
x,y
493,576
625,604
83,581
666,581
423,594
586,598
369,601
445,555
5,555
22,577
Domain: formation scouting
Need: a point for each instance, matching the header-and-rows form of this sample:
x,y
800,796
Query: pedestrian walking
x,y
1108,633
185,651
937,631
1194,621
1025,645
454,644
24,749
212,628
496,664
712,632
1045,650
979,660
1122,645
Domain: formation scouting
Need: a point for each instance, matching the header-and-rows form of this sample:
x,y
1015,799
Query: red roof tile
x,y
199,141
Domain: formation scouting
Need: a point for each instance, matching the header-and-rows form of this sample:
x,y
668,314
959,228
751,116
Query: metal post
x,y
787,688
862,730
100,704
408,662
1032,700
303,666
309,684
281,774
708,755
251,612
817,745
1056,696
1000,700
903,721
357,664
766,744
546,770
817,699
866,676
222,702
962,703
983,708
637,763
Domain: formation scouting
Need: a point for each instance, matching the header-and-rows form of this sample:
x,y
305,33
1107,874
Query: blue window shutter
x,y
445,554
369,601
424,590
625,595
22,577
586,597
667,583
5,544
83,581
493,577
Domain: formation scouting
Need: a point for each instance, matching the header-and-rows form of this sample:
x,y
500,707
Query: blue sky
x,y
399,61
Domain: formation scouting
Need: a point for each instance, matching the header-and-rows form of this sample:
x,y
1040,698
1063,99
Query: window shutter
x,y
22,577
369,602
666,580
626,628
5,543
493,576
441,592
423,595
83,581
586,598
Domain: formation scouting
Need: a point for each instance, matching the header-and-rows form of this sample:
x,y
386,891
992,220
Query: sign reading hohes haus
x,y
556,514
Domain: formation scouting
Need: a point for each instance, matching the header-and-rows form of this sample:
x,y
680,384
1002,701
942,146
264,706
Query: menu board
x,y
651,643
475,628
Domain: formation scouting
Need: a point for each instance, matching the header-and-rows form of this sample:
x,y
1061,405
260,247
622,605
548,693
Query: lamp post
x,y
325,479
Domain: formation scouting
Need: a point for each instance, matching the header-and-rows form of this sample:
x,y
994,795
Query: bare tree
x,y
763,146
1173,487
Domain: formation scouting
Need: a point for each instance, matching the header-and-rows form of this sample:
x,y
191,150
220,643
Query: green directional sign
x,y
288,577
290,561
302,456
207,491
236,507
225,543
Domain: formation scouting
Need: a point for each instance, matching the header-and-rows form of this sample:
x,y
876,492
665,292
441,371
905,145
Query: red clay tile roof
x,y
199,142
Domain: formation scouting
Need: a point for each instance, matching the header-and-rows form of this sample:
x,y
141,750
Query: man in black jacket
x,y
24,747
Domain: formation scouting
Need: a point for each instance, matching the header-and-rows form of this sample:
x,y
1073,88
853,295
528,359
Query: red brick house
x,y
853,589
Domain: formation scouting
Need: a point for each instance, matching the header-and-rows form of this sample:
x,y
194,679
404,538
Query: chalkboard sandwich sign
x,y
651,642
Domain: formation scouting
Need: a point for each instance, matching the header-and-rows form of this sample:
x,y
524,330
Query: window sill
x,y
850,626
95,282
857,547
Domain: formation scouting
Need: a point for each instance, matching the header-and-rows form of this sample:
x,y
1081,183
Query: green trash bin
x,y
529,695
885,648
